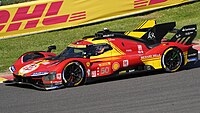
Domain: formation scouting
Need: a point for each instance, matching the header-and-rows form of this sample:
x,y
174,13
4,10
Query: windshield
x,y
71,52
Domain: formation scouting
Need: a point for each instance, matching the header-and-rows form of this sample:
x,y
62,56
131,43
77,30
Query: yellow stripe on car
x,y
154,62
114,52
139,34
185,57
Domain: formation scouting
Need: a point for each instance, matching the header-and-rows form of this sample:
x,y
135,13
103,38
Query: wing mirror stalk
x,y
50,48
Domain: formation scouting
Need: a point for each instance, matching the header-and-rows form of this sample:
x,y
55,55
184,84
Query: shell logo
x,y
115,66
88,64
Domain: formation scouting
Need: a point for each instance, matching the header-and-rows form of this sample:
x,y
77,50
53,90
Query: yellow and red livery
x,y
108,53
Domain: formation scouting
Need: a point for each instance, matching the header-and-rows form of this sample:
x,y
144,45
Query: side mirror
x,y
50,48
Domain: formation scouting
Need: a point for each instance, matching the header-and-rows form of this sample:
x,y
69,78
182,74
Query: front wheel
x,y
73,74
172,59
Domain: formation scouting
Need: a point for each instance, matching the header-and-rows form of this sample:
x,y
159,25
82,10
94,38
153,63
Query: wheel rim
x,y
73,74
173,60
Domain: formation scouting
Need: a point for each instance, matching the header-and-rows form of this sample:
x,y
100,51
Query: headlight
x,y
12,69
50,76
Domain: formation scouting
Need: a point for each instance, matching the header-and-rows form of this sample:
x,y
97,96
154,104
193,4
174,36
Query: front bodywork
x,y
42,73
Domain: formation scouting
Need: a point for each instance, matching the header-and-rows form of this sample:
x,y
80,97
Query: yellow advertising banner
x,y
45,15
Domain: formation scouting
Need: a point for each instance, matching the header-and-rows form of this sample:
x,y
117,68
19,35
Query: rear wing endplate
x,y
185,35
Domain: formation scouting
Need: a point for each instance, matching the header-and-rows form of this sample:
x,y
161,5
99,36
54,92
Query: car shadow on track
x,y
123,76
113,77
22,86
140,74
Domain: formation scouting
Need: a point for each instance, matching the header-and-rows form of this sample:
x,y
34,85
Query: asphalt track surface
x,y
146,92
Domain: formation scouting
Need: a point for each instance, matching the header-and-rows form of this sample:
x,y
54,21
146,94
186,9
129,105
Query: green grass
x,y
8,2
11,49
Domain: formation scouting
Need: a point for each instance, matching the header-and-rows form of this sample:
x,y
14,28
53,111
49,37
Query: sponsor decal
x,y
28,68
58,76
140,50
125,63
105,70
122,72
115,66
31,67
108,35
105,64
188,29
88,64
178,35
191,55
129,50
150,56
39,73
45,14
94,74
132,70
111,39
189,33
151,36
44,62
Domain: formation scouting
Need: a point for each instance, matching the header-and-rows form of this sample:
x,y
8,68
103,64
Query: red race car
x,y
108,53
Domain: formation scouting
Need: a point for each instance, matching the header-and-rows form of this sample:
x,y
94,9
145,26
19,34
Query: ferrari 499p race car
x,y
107,53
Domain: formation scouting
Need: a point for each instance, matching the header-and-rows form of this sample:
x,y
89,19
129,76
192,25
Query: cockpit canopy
x,y
89,50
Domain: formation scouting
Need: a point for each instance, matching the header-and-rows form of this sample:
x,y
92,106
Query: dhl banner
x,y
45,15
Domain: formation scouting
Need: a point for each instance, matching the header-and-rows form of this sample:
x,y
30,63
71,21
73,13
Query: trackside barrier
x,y
45,15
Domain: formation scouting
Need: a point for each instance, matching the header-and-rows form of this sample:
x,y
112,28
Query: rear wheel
x,y
172,59
73,74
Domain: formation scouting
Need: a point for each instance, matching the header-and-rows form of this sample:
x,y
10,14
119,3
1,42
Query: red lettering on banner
x,y
1,27
31,24
156,1
14,27
55,20
77,16
22,12
4,16
142,3
54,8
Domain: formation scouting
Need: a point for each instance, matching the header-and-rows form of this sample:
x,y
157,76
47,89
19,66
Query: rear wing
x,y
185,35
155,34
152,34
